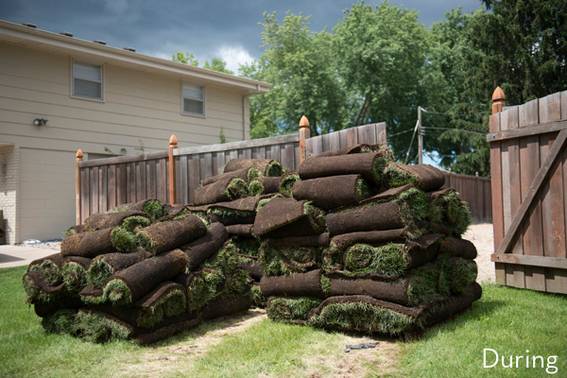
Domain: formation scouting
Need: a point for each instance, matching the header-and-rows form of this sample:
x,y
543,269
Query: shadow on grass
x,y
225,322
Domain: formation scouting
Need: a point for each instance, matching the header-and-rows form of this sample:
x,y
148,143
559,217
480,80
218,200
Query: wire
x,y
400,133
412,139
451,128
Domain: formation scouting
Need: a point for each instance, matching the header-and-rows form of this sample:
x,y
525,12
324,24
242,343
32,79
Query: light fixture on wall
x,y
39,122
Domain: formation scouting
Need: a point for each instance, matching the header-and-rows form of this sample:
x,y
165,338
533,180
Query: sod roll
x,y
132,283
225,189
152,207
206,246
422,176
105,220
74,273
87,244
239,211
240,229
457,247
264,185
164,236
449,214
343,241
282,217
243,173
369,165
450,306
287,182
266,167
280,259
332,192
356,149
295,285
291,310
104,266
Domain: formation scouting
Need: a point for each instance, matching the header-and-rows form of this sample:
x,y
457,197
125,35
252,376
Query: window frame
x,y
182,97
72,81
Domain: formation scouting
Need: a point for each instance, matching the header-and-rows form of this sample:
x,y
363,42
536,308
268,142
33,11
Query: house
x,y
59,93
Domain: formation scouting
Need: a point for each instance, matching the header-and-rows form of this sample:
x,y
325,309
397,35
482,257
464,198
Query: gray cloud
x,y
203,27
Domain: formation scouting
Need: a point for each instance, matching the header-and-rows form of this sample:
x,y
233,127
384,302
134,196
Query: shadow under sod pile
x,y
366,245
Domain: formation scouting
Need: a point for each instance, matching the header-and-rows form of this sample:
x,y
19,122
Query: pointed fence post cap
x,y
173,140
79,154
498,95
303,122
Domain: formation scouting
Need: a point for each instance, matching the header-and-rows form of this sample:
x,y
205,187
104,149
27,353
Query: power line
x,y
452,128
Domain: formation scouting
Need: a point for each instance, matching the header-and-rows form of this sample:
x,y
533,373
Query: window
x,y
193,99
87,81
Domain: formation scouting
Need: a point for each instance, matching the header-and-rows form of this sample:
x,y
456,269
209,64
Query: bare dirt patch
x,y
175,355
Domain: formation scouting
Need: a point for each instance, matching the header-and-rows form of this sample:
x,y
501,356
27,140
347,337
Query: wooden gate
x,y
528,162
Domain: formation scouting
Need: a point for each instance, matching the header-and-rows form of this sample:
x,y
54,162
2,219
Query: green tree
x,y
217,64
185,58
381,53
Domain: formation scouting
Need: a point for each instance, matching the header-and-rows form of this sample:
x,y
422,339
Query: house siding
x,y
139,112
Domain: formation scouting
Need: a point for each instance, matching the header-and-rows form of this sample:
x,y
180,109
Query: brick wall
x,y
8,187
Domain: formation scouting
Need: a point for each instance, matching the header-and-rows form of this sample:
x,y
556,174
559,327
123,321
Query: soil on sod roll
x,y
226,305
287,182
106,220
264,185
206,246
87,244
356,149
225,189
132,283
240,229
422,176
104,266
321,240
449,214
291,310
266,167
408,210
39,290
49,267
244,174
369,165
295,285
164,236
283,217
457,247
332,192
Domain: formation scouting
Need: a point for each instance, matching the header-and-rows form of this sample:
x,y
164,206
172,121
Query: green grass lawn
x,y
507,320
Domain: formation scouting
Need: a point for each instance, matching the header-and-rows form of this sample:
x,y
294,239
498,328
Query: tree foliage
x,y
215,64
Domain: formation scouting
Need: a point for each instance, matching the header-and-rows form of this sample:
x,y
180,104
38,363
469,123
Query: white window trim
x,y
191,114
72,81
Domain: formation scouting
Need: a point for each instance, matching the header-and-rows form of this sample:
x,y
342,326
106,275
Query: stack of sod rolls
x,y
366,245
142,271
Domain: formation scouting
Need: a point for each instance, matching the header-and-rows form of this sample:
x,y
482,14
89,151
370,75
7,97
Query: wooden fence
x,y
105,183
528,162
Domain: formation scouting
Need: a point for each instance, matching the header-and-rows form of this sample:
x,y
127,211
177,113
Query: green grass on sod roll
x,y
255,187
35,294
171,304
395,177
74,276
62,321
97,327
204,287
389,260
253,174
99,273
225,213
286,184
290,309
236,188
154,209
50,271
274,168
123,240
286,260
117,292
362,190
361,317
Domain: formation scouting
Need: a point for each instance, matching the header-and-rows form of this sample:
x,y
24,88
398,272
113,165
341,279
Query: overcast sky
x,y
229,29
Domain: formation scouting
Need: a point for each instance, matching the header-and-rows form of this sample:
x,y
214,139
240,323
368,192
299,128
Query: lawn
x,y
507,320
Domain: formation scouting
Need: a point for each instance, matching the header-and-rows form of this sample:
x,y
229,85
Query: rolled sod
x,y
240,229
321,240
258,299
287,182
88,244
291,310
206,246
408,209
282,217
167,235
356,149
61,321
104,266
332,192
225,189
295,285
277,260
363,314
74,273
244,173
449,214
132,283
388,261
226,305
457,273
343,241
450,306
124,236
39,290
240,211
168,300
264,185
49,267
266,167
100,327
369,165
168,330
457,247
422,176
105,220
153,208
204,286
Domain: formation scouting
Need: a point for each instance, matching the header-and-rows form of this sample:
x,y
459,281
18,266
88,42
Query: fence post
x,y
304,133
171,168
78,158
498,100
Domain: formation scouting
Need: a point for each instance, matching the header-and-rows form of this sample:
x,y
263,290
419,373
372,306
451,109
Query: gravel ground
x,y
481,235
